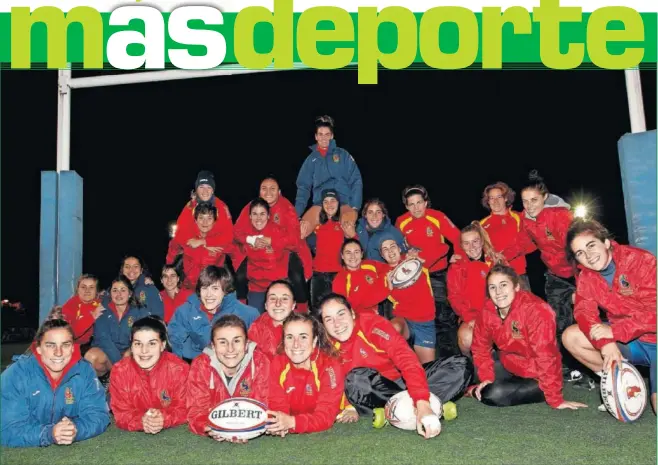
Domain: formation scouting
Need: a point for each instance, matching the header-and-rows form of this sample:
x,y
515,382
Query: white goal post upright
x,y
635,103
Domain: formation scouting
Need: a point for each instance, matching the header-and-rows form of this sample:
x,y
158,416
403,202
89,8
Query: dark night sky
x,y
139,147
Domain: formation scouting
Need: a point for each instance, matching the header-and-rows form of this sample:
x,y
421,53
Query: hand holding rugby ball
x,y
238,418
401,413
624,392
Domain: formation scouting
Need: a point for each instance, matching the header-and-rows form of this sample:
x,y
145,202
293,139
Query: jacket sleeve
x,y
127,414
523,245
332,384
404,359
481,350
93,415
79,325
176,413
355,182
459,300
173,250
643,319
304,186
185,225
304,252
278,399
371,294
199,398
541,338
103,341
242,226
154,299
586,310
19,428
178,330
452,233
312,241
262,382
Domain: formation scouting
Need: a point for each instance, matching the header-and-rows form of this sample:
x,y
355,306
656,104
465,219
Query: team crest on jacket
x,y
131,320
483,273
308,390
430,232
336,158
276,218
624,286
142,297
516,332
363,353
503,221
369,279
549,234
164,398
245,389
68,396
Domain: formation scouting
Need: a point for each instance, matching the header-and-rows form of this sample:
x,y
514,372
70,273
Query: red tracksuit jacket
x,y
503,230
376,344
206,385
428,234
78,315
548,233
631,302
364,288
329,238
271,263
467,287
416,302
283,214
266,336
170,305
526,343
196,260
312,396
133,391
221,234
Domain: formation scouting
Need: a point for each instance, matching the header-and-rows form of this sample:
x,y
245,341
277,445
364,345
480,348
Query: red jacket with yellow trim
x,y
266,336
467,287
364,288
78,315
133,391
548,233
312,396
416,302
630,303
374,343
526,344
428,234
502,231
207,386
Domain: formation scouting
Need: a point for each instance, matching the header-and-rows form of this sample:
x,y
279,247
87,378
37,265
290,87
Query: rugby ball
x,y
401,413
624,392
239,418
406,273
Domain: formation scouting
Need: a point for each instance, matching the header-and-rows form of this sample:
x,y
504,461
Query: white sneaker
x,y
574,375
601,408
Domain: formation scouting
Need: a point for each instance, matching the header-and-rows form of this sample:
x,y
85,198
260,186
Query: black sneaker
x,y
585,382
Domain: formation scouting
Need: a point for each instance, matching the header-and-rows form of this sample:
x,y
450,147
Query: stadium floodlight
x,y
580,211
172,229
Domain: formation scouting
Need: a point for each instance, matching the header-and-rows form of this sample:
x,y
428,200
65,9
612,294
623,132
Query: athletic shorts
x,y
422,334
641,353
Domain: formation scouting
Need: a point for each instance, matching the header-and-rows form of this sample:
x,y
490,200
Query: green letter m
x,y
57,26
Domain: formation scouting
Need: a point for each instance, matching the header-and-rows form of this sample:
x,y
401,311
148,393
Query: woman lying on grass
x,y
148,389
306,380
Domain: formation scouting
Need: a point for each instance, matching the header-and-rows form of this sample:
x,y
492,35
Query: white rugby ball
x,y
624,392
401,413
239,418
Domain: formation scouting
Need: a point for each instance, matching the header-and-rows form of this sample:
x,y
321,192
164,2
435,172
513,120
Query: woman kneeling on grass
x,y
52,396
522,326
148,390
379,363
306,380
229,367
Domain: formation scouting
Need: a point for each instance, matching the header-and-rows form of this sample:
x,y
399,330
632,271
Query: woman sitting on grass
x,y
306,380
522,327
148,389
229,367
52,395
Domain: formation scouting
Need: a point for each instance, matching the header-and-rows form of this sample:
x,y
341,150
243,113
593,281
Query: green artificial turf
x,y
533,434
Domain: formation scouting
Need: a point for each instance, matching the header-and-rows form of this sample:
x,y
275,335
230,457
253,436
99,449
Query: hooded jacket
x,y
207,385
371,239
111,334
